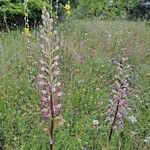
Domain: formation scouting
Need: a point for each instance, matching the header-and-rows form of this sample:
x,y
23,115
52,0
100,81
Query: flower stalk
x,y
68,8
26,19
50,86
119,103
28,44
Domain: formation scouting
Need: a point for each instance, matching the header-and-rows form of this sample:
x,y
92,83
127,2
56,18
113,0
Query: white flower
x,y
80,81
132,119
147,140
83,148
133,133
110,1
95,122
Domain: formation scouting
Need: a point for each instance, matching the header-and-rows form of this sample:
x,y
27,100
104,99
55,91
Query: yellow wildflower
x,y
27,31
68,13
68,8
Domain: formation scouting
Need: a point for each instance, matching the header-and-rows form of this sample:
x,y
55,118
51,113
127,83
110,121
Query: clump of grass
x,y
87,86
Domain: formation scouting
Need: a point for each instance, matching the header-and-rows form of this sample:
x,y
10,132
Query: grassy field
x,y
88,48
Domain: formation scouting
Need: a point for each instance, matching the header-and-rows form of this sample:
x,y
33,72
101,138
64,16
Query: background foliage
x,y
111,8
12,11
87,81
86,84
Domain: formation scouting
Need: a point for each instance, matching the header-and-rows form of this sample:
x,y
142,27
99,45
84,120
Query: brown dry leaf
x,y
148,75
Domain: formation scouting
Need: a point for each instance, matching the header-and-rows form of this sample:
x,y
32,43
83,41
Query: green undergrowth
x,y
88,75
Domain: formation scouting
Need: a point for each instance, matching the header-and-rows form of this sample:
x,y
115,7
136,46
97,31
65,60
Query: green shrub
x,y
12,12
103,8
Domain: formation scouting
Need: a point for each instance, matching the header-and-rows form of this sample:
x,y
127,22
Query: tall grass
x,y
87,85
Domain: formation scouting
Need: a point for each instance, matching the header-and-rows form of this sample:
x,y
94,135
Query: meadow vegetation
x,y
68,83
88,50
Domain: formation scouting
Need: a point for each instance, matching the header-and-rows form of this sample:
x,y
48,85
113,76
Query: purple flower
x,y
119,103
